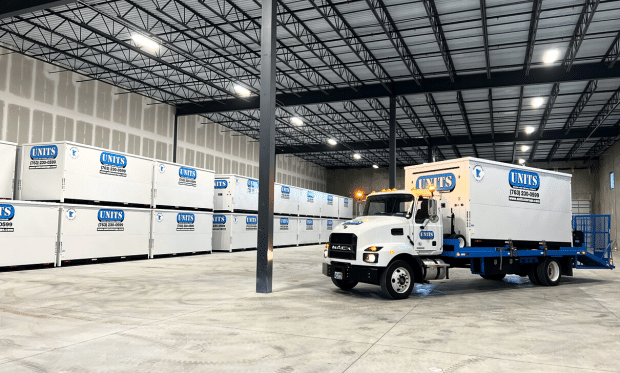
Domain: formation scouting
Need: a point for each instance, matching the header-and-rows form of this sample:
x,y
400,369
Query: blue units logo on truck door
x,y
441,182
113,164
110,220
427,235
185,222
187,176
7,213
43,157
524,186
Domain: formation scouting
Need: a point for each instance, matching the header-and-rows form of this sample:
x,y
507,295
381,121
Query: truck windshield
x,y
388,204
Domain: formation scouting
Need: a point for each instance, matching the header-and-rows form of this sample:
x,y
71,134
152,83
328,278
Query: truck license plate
x,y
338,275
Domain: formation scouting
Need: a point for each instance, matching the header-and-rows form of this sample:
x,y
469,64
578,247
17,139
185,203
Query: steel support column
x,y
392,142
267,161
175,138
430,154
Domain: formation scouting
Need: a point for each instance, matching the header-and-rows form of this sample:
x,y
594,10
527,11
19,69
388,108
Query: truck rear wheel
x,y
397,280
549,272
533,276
497,277
344,285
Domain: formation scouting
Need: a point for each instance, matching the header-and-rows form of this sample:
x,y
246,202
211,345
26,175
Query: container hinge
x,y
63,184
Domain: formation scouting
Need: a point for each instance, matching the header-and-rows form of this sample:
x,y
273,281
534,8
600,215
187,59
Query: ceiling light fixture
x,y
242,91
375,166
551,56
522,161
357,156
537,102
525,148
529,129
297,121
145,42
332,142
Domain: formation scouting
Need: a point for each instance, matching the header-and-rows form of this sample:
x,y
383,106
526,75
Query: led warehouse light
x,y
332,142
242,91
375,166
525,148
529,129
537,102
145,42
357,156
551,56
297,121
522,161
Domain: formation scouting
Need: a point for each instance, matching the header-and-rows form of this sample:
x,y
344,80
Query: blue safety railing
x,y
596,237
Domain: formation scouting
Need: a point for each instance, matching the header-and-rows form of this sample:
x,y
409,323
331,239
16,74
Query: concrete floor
x,y
200,314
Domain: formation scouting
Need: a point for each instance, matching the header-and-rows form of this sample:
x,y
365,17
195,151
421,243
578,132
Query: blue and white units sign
x,y
252,186
187,176
221,184
251,223
43,157
442,182
185,222
524,186
7,212
330,200
219,222
284,224
330,224
309,224
310,195
110,220
113,164
427,235
286,192
346,202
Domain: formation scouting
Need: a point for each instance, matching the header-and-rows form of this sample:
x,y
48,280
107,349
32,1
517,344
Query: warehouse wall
x,y
607,201
40,103
346,182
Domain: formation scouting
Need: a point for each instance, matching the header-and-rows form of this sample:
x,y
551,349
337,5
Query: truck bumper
x,y
369,275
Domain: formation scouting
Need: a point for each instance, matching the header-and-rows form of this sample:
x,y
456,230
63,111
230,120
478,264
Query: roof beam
x,y
613,53
585,18
430,100
380,11
507,137
461,102
485,34
555,90
17,8
543,75
531,39
433,16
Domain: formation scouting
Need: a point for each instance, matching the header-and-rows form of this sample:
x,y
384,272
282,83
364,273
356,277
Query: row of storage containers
x,y
234,193
38,232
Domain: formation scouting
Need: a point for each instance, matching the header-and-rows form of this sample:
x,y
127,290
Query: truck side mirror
x,y
433,210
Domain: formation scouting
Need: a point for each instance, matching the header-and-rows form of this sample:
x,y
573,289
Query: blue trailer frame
x,y
594,252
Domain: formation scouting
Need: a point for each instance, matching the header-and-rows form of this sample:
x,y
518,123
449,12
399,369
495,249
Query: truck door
x,y
428,232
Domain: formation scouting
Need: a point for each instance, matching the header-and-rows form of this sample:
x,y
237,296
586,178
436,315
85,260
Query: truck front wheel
x,y
397,280
344,285
549,272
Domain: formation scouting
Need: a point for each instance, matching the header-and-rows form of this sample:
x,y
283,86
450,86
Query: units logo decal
x,y
219,222
187,176
309,224
185,222
221,184
330,199
310,195
252,186
7,213
427,235
43,157
346,202
285,192
330,225
283,224
113,164
441,182
524,186
478,172
110,220
251,223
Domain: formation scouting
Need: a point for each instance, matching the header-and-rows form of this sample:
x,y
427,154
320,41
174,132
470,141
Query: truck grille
x,y
342,246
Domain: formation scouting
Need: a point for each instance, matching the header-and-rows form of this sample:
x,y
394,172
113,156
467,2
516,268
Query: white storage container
x,y
100,232
329,205
65,171
28,233
236,193
309,203
234,231
285,229
8,152
185,231
286,199
345,208
495,201
327,225
309,231
176,185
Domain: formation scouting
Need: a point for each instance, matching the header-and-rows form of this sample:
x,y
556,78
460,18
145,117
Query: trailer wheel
x,y
461,238
397,280
549,272
533,275
497,277
344,285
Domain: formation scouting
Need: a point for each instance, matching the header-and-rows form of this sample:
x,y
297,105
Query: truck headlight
x,y
371,258
325,253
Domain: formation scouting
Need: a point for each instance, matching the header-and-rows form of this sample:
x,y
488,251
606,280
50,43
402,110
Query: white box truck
x,y
180,231
181,186
345,208
285,230
309,231
70,172
309,203
234,231
492,218
286,199
28,233
90,232
8,153
235,193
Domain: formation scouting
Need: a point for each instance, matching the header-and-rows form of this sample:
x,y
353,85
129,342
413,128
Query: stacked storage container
x,y
309,230
236,193
286,209
8,152
345,208
285,230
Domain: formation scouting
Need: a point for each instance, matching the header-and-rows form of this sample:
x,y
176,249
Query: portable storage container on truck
x,y
309,203
28,233
285,230
69,172
8,153
88,232
234,231
493,201
235,193
181,186
286,199
345,208
180,231
309,231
